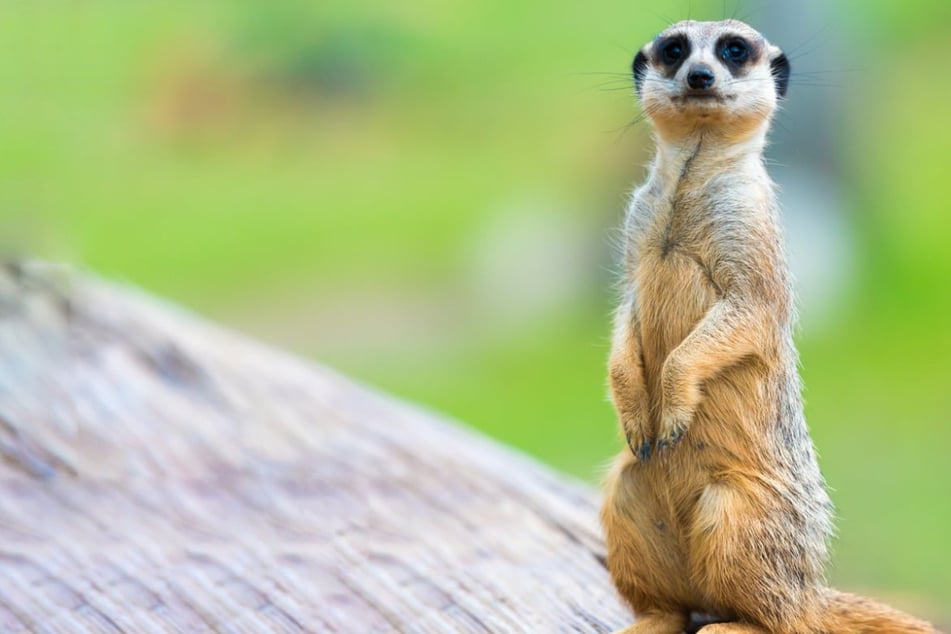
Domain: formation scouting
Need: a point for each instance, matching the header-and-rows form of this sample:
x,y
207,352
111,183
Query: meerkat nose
x,y
700,77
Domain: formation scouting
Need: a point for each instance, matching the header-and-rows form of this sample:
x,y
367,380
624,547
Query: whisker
x,y
595,73
737,5
643,116
746,16
624,48
666,19
796,53
831,71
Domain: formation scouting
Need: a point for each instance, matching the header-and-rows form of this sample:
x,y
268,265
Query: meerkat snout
x,y
700,77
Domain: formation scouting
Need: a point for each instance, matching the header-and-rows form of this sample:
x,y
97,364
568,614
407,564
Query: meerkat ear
x,y
779,66
640,69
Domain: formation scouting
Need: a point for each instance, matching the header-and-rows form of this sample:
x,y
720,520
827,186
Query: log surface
x,y
160,474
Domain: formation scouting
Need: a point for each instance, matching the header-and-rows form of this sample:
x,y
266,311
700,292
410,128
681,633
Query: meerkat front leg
x,y
731,330
628,390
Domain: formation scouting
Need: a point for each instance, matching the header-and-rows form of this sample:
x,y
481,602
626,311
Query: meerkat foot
x,y
657,623
733,628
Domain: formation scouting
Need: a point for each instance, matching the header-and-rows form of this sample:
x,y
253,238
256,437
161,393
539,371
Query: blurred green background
x,y
424,195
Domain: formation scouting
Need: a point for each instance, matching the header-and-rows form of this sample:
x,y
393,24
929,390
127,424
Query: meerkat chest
x,y
674,293
677,248
672,274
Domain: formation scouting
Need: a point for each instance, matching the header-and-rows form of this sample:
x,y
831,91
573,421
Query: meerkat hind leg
x,y
657,623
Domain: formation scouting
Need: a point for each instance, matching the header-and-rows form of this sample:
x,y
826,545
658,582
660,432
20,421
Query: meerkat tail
x,y
851,614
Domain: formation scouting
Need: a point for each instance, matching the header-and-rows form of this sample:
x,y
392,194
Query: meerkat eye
x,y
673,51
735,50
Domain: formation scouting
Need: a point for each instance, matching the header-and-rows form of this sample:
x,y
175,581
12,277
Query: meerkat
x,y
719,506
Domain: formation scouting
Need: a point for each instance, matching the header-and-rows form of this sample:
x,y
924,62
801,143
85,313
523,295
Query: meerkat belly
x,y
675,293
673,298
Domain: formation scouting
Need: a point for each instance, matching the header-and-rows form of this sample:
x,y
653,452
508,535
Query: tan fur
x,y
725,511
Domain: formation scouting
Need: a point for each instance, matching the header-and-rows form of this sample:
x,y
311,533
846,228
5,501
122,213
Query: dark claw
x,y
671,439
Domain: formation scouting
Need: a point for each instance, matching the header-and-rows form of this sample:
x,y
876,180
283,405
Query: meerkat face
x,y
705,74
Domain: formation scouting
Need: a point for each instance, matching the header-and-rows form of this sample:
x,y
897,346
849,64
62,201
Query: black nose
x,y
700,77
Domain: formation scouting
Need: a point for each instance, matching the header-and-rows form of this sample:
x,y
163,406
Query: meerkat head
x,y
710,75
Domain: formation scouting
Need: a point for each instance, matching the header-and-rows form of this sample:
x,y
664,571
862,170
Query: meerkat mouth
x,y
701,97
702,100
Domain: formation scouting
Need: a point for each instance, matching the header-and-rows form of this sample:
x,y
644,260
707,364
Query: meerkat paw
x,y
631,402
673,427
640,445
681,397
636,425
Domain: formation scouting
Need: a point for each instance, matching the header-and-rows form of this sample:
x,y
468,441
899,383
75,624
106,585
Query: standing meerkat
x,y
719,506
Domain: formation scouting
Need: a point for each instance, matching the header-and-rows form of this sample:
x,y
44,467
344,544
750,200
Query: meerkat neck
x,y
707,151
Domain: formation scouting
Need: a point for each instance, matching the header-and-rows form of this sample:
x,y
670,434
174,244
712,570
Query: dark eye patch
x,y
671,52
734,50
